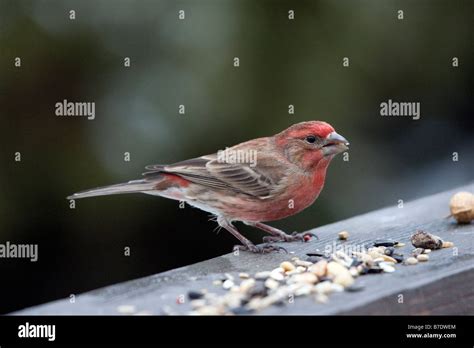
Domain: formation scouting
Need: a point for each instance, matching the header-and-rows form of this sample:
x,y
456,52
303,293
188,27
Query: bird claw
x,y
273,239
260,249
302,235
295,236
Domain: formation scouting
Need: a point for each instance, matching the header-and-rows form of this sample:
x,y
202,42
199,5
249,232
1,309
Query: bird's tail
x,y
126,187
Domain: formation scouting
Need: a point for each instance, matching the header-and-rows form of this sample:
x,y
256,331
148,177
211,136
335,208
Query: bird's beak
x,y
334,144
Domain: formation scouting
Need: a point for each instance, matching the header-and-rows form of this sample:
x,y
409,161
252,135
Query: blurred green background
x,y
190,62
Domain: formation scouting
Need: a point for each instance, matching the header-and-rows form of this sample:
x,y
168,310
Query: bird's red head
x,y
301,130
307,143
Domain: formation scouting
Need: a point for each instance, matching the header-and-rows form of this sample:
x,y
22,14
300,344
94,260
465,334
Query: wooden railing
x,y
443,285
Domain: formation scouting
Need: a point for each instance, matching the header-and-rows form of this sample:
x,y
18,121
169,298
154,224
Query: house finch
x,y
253,182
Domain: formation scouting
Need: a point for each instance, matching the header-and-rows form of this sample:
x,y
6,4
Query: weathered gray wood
x,y
444,285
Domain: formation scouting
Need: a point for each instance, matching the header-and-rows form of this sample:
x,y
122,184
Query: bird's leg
x,y
280,236
246,244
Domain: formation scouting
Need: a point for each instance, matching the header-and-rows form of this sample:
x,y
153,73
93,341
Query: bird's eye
x,y
311,139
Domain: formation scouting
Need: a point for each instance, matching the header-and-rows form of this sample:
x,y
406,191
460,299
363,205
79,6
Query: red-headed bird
x,y
260,180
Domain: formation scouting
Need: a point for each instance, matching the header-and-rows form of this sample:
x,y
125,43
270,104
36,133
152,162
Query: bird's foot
x,y
295,236
260,249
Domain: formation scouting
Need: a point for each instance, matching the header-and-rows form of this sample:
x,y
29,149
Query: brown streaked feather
x,y
261,181
193,170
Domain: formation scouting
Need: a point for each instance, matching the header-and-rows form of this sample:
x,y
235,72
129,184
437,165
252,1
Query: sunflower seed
x,y
319,268
229,276
277,276
422,257
334,269
417,251
308,278
287,266
246,285
303,263
363,256
293,272
315,254
385,243
340,274
228,284
447,244
374,254
323,287
346,259
194,295
386,267
233,300
235,289
387,258
344,279
271,283
411,261
343,235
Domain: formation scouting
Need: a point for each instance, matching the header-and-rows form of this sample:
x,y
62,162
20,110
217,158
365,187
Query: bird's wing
x,y
260,180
